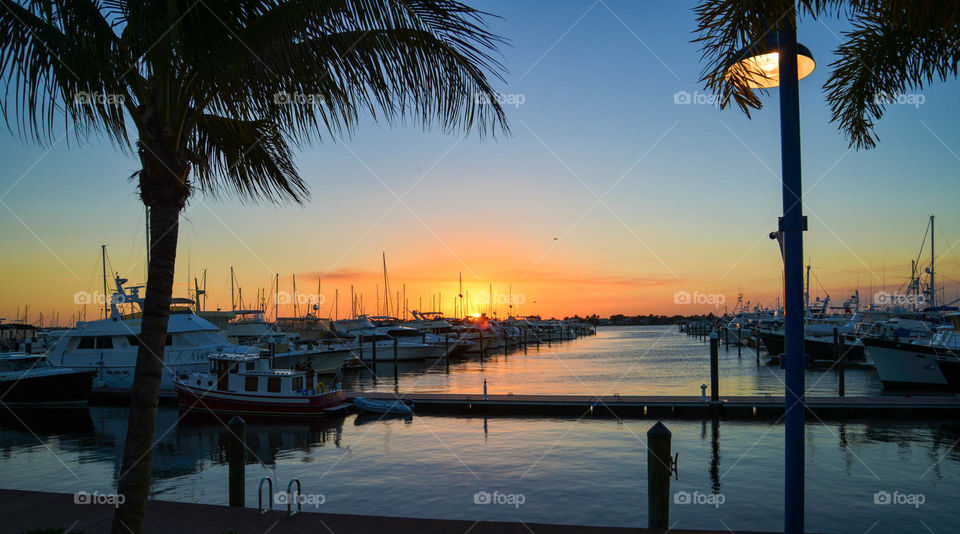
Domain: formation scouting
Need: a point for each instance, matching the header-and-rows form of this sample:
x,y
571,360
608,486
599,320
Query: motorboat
x,y
28,379
904,363
109,347
248,384
382,406
379,342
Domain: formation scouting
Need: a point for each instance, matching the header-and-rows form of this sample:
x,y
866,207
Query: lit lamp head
x,y
759,65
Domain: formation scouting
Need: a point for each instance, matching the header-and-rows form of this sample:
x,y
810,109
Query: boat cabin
x,y
21,361
13,336
253,374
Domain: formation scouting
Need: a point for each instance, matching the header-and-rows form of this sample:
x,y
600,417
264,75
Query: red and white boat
x,y
248,384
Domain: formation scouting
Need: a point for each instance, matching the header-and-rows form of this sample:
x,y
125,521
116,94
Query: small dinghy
x,y
382,406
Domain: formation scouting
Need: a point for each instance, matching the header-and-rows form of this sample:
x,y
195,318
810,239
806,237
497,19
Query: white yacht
x,y
109,346
379,340
910,363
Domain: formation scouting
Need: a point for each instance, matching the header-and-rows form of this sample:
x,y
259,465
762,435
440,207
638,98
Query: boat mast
x,y
806,295
232,306
386,289
295,295
276,296
933,287
103,259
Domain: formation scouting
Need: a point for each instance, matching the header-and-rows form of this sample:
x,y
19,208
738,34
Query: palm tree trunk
x,y
134,482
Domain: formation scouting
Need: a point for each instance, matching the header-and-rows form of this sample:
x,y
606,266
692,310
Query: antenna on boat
x,y
276,296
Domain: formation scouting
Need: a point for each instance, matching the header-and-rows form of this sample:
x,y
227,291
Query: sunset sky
x,y
608,197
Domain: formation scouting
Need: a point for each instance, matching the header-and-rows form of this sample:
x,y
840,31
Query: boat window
x,y
169,340
133,341
251,366
104,342
273,385
5,366
86,343
298,383
235,367
250,384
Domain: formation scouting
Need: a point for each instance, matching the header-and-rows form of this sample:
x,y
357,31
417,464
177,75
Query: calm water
x,y
589,471
627,360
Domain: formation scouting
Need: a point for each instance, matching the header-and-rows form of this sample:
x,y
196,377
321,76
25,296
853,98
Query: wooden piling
x,y
714,368
659,462
757,341
841,368
739,341
235,457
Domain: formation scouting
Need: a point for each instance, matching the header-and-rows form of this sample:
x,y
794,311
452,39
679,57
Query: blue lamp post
x,y
781,61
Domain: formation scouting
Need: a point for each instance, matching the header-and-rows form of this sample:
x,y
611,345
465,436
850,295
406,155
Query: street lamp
x,y
781,62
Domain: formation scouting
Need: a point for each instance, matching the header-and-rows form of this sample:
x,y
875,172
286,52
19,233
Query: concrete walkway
x,y
22,511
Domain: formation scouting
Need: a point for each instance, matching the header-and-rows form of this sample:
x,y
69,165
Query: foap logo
x,y
302,299
909,499
685,297
304,99
303,499
883,298
511,499
712,499
504,99
113,499
83,298
87,98
685,97
910,99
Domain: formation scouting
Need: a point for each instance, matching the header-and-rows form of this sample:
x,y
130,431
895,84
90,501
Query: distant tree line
x,y
625,320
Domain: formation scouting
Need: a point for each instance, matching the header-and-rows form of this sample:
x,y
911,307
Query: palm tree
x,y
895,46
218,92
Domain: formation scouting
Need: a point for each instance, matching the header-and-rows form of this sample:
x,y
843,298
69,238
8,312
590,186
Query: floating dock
x,y
25,511
666,407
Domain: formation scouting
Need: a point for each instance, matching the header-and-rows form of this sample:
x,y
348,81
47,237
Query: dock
x,y
25,511
677,407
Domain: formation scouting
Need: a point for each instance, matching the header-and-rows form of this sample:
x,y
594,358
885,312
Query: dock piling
x,y
757,341
726,338
714,368
659,468
841,366
235,445
739,341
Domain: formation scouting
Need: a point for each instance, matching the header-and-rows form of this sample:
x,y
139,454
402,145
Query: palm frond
x,y
250,159
425,60
880,61
58,59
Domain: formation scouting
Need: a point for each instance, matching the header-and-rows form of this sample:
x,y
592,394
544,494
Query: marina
x,y
599,453
626,291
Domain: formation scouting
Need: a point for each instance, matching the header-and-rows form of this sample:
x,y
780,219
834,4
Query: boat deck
x,y
662,406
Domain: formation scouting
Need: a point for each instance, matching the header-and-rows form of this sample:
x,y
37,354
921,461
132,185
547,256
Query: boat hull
x,y
191,398
59,389
818,349
906,365
405,352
